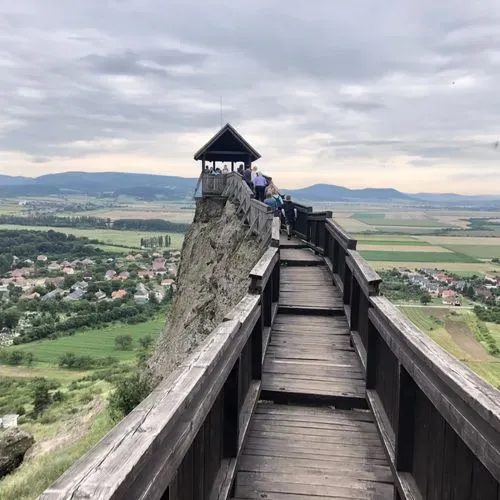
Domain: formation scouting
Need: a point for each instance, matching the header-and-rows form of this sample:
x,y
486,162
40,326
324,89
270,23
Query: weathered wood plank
x,y
469,405
262,271
367,278
340,235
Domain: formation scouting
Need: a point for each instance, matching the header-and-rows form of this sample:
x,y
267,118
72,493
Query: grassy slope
x,y
95,343
425,320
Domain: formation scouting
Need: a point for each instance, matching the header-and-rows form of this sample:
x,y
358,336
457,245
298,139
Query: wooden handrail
x,y
171,440
436,417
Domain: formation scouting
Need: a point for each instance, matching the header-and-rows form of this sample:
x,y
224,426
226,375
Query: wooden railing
x,y
213,185
256,214
184,440
439,421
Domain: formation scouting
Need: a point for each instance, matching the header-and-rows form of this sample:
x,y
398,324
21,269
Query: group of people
x,y
265,191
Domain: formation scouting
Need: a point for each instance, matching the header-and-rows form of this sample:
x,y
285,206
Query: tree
x,y
146,341
160,241
41,396
123,342
10,318
425,298
129,393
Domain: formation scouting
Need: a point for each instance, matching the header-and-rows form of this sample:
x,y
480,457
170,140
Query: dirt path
x,y
464,338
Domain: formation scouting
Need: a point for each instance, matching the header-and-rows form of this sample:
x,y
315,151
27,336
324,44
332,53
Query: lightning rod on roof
x,y
220,111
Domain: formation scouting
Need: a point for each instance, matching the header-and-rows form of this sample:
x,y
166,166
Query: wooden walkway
x,y
311,436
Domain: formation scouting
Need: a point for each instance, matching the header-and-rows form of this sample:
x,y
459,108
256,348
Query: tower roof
x,y
227,145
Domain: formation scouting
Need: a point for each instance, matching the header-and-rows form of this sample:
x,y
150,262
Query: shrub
x,y
130,391
123,342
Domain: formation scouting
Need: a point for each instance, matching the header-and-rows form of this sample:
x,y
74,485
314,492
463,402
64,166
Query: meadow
x,y
97,343
127,240
454,331
416,256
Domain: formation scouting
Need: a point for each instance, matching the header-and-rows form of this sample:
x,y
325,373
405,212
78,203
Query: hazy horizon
x,y
364,94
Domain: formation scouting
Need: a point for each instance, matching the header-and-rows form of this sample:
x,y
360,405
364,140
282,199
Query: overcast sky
x,y
380,93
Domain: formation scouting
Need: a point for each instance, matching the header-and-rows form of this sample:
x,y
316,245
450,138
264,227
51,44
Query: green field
x,y
431,257
400,242
479,251
94,343
446,327
129,239
380,219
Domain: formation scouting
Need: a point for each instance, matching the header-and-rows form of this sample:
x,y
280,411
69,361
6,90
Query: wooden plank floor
x,y
309,358
295,452
300,256
309,290
299,446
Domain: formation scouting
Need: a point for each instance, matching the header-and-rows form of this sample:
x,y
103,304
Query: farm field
x,y
478,251
94,343
452,330
129,239
416,256
396,219
401,247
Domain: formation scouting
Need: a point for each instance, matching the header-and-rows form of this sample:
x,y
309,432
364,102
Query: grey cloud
x,y
373,79
40,159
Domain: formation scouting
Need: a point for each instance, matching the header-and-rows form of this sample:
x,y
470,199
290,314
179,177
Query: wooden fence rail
x,y
439,421
184,440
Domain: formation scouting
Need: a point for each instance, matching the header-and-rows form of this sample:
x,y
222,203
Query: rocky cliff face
x,y
14,443
217,256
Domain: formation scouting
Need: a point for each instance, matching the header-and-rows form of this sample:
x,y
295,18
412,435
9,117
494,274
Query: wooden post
x,y
231,413
355,291
405,423
267,298
371,357
276,282
232,166
257,346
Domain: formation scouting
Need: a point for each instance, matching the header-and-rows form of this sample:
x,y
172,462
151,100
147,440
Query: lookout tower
x,y
227,145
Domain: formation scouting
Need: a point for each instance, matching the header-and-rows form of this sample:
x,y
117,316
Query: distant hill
x,y
143,186
329,192
151,187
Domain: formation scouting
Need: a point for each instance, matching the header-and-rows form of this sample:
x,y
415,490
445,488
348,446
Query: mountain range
x,y
150,186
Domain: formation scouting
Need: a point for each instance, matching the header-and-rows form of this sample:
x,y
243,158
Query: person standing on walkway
x,y
247,177
289,212
260,184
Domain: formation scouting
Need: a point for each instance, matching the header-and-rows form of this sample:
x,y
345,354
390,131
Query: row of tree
x,y
84,221
156,241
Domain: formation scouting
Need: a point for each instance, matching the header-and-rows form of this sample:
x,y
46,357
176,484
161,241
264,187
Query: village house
x,y
110,275
28,262
130,257
450,297
482,292
53,267
80,285
53,295
142,294
146,273
75,295
159,293
168,283
159,265
123,276
118,294
99,295
53,281
20,273
87,262
68,270
42,258
30,296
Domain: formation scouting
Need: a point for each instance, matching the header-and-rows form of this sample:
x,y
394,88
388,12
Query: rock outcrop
x,y
217,256
14,443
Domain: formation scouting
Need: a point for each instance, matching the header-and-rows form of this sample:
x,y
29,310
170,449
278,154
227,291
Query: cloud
x,y
366,93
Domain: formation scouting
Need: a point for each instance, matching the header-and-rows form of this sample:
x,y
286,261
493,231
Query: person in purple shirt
x,y
260,184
